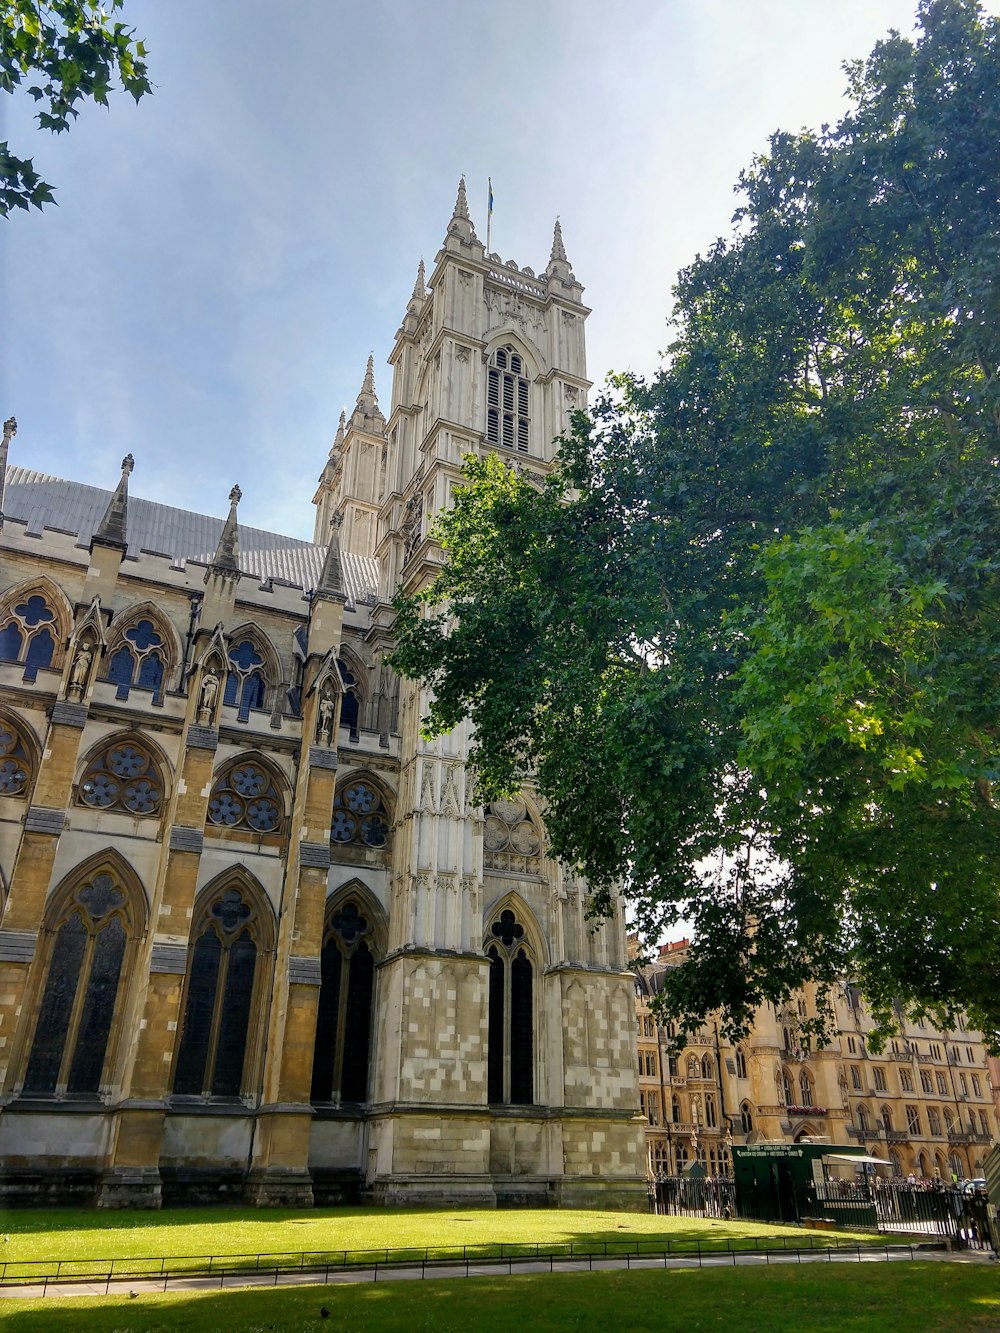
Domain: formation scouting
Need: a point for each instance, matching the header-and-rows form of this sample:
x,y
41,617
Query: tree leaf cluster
x,y
63,52
746,638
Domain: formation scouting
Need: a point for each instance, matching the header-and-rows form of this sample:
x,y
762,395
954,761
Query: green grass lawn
x,y
41,1236
867,1298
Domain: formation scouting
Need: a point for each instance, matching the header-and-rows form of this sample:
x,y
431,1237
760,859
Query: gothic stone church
x,y
258,939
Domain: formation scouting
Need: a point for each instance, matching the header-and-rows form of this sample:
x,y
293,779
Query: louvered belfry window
x,y
510,1054
507,401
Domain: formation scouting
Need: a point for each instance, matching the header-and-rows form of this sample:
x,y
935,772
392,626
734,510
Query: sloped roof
x,y
41,502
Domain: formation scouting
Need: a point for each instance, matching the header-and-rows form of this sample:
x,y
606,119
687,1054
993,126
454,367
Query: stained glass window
x,y
26,635
246,682
244,796
15,764
139,661
344,1023
511,1023
211,1057
123,776
360,816
71,1040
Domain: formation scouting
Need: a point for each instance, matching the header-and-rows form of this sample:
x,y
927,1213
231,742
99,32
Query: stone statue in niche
x,y
324,723
79,672
207,698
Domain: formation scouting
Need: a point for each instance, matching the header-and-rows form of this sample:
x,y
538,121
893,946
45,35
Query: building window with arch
x,y
885,1115
862,1118
246,679
897,1166
88,952
223,986
360,816
933,1120
741,1062
675,1109
28,634
746,1117
139,661
786,1088
710,1116
16,767
344,1024
707,1070
805,1088
507,401
350,703
913,1121
693,1066
244,797
949,1121
512,840
510,1039
122,776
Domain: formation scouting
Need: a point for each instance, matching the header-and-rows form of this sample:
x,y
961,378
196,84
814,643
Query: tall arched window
x,y
786,1088
122,776
805,1089
88,951
741,1062
862,1117
507,401
933,1120
224,985
710,1117
16,764
675,1109
707,1070
344,1025
139,659
510,1058
28,634
246,681
746,1117
244,798
350,704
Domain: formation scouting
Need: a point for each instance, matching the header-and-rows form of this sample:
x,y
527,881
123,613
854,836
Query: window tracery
x,y
510,1040
511,839
140,660
342,1050
27,635
224,962
360,815
350,704
244,797
746,1117
507,400
123,776
246,679
741,1062
75,1016
16,767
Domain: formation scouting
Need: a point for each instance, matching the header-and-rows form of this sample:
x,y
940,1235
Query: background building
x,y
258,936
925,1104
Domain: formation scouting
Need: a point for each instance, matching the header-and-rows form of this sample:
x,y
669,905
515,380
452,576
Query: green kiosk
x,y
792,1182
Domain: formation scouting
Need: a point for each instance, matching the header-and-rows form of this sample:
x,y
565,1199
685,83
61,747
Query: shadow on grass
x,y
922,1298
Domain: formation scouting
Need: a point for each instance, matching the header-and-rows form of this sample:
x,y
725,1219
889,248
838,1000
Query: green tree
x,y
747,636
70,50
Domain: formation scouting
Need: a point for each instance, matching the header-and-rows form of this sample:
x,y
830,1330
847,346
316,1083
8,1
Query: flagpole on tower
x,y
489,214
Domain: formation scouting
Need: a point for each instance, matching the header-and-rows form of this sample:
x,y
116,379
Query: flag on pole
x,y
489,212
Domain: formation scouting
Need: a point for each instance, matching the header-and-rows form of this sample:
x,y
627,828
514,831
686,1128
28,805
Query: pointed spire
x,y
558,249
419,287
331,580
369,381
113,527
228,551
9,431
462,202
366,415
338,439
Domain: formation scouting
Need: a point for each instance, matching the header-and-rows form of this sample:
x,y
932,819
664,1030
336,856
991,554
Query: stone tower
x,y
505,1062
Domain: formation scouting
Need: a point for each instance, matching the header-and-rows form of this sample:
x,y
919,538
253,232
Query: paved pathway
x,y
490,1268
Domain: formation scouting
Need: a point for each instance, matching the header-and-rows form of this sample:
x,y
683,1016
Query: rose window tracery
x,y
123,776
15,768
245,797
360,816
511,839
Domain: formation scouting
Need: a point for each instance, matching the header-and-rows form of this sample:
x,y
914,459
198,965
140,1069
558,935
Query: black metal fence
x,y
689,1196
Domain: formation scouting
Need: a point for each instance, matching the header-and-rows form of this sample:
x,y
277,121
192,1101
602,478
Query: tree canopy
x,y
746,637
72,50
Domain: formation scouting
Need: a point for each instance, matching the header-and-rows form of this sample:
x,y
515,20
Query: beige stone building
x,y
925,1104
258,937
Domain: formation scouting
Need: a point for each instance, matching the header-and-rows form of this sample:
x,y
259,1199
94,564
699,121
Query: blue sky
x,y
226,253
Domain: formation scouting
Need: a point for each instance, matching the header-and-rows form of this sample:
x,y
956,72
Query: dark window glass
x,y
121,667
253,692
357,1026
325,1053
496,1027
57,1006
40,651
349,712
521,1089
235,1018
197,1032
151,672
98,1009
10,643
232,688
